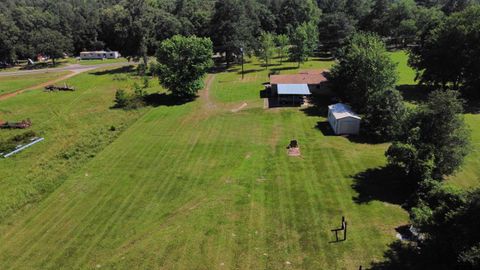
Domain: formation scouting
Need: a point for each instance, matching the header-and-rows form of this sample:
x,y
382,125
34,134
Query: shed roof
x,y
293,89
341,110
310,77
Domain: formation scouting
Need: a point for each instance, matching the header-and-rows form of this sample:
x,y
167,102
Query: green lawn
x,y
95,62
193,186
196,186
13,83
75,126
406,75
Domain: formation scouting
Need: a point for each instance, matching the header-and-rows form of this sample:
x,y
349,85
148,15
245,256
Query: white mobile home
x,y
343,120
99,55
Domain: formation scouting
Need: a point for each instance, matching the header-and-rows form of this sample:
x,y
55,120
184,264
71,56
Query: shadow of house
x,y
325,128
120,70
385,184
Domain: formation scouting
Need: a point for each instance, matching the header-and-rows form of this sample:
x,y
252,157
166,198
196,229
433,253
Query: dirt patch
x,y
241,107
205,94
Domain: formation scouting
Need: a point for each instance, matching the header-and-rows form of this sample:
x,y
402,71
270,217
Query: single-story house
x,y
343,120
99,55
292,88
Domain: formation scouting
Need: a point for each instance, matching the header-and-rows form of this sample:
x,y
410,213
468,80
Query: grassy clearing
x,y
197,186
469,175
76,126
406,75
13,83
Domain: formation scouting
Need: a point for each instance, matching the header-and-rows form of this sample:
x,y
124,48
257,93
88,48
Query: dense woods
x,y
135,28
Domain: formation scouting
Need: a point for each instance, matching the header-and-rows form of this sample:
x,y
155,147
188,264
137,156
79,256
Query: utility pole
x,y
241,50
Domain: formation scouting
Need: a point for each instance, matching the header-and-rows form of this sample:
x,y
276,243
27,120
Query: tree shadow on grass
x,y
318,105
365,139
386,184
472,105
248,71
163,99
415,94
400,256
277,70
120,70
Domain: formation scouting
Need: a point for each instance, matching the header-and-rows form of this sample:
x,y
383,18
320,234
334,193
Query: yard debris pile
x,y
294,149
65,87
16,125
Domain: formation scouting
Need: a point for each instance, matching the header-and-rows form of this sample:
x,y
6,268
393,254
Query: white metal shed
x,y
343,120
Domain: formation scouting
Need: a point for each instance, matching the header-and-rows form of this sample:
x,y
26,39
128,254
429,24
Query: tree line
x,y
135,27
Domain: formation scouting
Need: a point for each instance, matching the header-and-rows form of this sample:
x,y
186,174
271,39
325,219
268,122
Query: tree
x,y
232,29
449,220
376,20
183,62
340,19
294,13
282,42
304,42
384,115
52,43
123,26
335,28
363,67
121,98
401,21
448,55
266,48
8,37
435,140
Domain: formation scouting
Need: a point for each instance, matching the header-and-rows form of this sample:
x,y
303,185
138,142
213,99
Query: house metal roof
x,y
293,89
341,110
310,77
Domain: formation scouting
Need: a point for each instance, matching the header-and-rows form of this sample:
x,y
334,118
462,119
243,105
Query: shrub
x,y
121,99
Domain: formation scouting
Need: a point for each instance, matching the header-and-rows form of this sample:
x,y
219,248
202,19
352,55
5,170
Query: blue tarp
x,y
293,89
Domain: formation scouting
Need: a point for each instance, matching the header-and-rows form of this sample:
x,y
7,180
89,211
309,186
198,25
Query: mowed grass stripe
x,y
136,195
172,183
65,212
94,203
162,153
215,131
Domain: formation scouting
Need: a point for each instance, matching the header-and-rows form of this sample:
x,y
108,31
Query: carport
x,y
292,93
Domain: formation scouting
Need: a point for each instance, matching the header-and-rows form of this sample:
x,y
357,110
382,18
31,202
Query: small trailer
x,y
65,87
16,125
